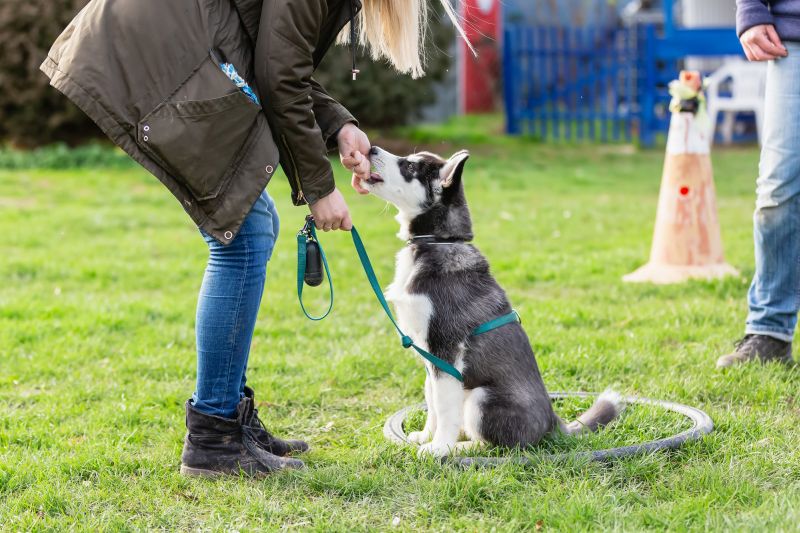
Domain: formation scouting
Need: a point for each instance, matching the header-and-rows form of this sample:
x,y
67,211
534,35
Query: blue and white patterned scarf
x,y
230,71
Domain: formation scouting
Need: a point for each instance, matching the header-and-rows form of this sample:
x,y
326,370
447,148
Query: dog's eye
x,y
412,167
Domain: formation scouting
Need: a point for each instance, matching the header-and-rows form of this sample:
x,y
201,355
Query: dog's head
x,y
426,189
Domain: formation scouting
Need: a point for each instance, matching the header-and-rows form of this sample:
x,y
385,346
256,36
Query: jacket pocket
x,y
199,141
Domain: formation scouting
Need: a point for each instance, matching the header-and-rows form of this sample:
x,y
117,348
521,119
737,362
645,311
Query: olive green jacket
x,y
146,71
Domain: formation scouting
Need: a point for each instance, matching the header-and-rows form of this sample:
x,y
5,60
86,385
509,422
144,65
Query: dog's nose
x,y
374,150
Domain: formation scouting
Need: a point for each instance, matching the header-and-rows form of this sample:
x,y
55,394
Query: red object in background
x,y
479,77
684,191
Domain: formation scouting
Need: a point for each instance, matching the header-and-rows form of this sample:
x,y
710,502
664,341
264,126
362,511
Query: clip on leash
x,y
310,262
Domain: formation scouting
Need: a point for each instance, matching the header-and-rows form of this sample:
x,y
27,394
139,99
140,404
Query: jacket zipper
x,y
296,176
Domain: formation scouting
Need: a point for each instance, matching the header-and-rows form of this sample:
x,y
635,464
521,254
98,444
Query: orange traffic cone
x,y
686,241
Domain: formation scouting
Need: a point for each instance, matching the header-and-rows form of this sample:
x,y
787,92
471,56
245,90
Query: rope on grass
x,y
701,425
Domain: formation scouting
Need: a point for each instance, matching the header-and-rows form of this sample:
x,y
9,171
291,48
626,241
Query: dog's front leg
x,y
448,404
421,437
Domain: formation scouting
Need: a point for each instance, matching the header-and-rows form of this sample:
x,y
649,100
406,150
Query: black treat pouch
x,y
307,237
313,274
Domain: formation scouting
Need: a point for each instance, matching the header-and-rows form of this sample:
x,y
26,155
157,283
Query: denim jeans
x,y
227,308
774,296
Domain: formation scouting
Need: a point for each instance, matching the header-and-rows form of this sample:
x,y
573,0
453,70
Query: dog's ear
x,y
452,170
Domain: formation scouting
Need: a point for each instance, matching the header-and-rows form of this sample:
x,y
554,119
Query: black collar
x,y
435,239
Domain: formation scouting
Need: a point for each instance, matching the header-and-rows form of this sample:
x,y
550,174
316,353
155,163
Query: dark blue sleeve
x,y
751,13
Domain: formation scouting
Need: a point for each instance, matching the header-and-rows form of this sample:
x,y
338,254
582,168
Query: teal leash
x,y
406,341
308,232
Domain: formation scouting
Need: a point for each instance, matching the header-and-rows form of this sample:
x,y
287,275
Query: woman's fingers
x,y
362,168
354,146
358,165
330,211
762,43
356,183
349,161
768,47
347,224
356,162
757,53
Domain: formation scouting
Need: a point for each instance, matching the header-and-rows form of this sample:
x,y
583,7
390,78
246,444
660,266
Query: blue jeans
x,y
227,308
774,296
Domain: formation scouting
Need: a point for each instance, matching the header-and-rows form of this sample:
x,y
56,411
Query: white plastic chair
x,y
747,83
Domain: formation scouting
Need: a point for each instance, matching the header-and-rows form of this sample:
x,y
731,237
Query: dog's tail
x,y
605,408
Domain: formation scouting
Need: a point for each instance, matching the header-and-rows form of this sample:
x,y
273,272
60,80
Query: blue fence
x,y
604,84
571,83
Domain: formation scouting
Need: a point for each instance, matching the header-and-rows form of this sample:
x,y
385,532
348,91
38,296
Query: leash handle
x,y
306,234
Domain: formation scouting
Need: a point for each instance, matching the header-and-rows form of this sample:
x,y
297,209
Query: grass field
x,y
99,279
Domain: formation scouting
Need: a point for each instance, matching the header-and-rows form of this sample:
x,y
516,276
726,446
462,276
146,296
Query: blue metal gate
x,y
571,83
599,83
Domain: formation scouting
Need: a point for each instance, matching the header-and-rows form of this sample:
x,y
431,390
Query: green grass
x,y
61,156
100,272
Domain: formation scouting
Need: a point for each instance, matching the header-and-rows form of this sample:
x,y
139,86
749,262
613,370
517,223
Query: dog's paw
x,y
434,449
468,446
420,437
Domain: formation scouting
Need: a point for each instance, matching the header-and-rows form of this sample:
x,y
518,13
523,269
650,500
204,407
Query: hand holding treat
x,y
353,149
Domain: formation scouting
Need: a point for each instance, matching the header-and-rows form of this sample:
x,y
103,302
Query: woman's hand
x,y
761,43
331,213
354,148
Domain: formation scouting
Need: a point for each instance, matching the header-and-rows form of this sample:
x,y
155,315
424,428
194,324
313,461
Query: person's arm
x,y
330,114
751,13
340,130
754,25
283,69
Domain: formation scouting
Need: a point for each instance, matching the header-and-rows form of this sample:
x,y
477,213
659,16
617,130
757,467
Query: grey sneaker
x,y
757,347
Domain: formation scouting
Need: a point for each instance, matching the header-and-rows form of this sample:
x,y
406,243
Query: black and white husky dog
x,y
442,290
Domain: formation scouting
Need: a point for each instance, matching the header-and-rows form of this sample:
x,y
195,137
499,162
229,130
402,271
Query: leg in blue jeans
x,y
227,308
774,296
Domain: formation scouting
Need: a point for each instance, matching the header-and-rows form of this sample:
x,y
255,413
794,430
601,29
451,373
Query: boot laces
x,y
256,422
745,341
251,444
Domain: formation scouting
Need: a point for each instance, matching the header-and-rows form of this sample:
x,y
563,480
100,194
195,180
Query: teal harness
x,y
309,234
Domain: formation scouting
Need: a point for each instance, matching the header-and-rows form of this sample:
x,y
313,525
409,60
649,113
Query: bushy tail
x,y
606,408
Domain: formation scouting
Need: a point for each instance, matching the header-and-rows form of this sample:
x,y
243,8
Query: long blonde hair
x,y
396,30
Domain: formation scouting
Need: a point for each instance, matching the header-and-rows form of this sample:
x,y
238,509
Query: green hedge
x,y
381,97
34,114
31,113
60,156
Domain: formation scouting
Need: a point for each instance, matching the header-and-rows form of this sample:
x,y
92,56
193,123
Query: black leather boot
x,y
267,440
216,446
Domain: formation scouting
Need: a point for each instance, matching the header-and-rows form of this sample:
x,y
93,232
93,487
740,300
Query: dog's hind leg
x,y
448,403
421,437
473,413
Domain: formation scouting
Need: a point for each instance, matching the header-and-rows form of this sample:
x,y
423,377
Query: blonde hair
x,y
396,30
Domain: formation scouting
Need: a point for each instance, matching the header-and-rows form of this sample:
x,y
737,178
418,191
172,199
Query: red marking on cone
x,y
684,191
